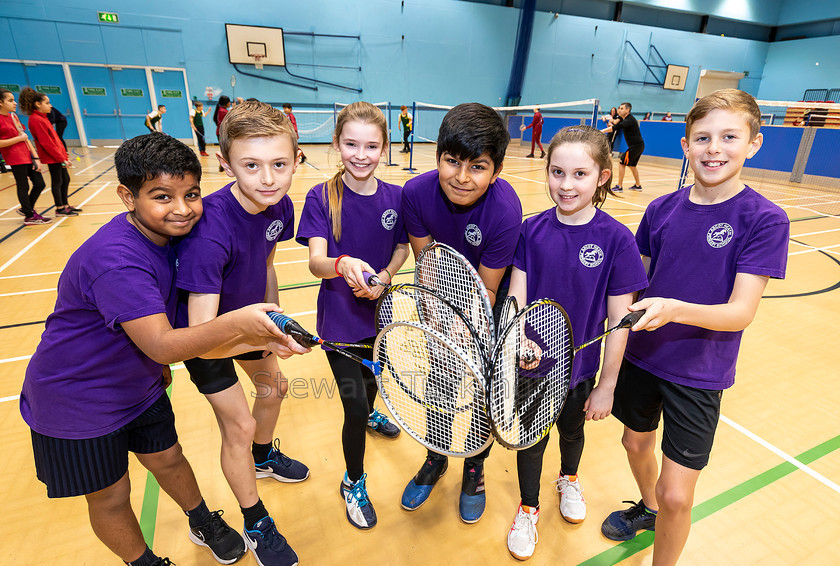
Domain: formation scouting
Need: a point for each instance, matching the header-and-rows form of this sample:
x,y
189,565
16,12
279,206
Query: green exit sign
x,y
108,17
171,94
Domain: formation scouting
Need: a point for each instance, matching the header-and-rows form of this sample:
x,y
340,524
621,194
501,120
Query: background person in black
x,y
629,126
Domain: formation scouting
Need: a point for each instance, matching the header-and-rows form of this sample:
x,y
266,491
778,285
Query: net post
x,y
683,173
411,169
388,124
335,113
595,106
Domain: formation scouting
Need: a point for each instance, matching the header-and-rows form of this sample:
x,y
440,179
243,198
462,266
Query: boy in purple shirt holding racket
x,y
464,203
95,388
228,261
709,249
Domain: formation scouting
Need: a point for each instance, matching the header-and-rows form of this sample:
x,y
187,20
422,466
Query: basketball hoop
x,y
258,61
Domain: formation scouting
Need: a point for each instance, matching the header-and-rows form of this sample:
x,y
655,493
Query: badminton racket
x,y
432,388
292,328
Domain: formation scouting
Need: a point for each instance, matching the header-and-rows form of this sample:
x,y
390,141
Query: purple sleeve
x,y
201,264
126,294
766,251
411,213
519,254
628,272
314,220
288,217
643,235
499,252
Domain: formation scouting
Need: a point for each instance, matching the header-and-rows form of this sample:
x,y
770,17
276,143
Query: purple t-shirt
x,y
371,228
579,266
226,253
486,233
87,378
695,253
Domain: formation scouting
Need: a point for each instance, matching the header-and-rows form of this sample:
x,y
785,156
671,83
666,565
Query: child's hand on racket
x,y
286,347
660,311
529,355
352,269
599,404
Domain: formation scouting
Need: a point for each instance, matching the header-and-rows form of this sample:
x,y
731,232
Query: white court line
x,y
813,249
815,233
27,292
527,180
785,456
50,229
176,366
288,262
30,275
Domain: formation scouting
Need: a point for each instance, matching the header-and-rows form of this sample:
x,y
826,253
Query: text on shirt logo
x,y
591,255
389,219
719,235
274,230
473,234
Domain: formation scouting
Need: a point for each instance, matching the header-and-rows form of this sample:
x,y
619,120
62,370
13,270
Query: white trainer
x,y
572,503
522,538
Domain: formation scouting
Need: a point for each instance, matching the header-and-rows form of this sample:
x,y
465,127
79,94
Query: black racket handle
x,y
291,327
631,319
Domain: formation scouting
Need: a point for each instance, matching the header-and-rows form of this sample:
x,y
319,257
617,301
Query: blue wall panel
x,y
825,154
36,40
7,44
81,43
163,48
662,139
124,46
778,152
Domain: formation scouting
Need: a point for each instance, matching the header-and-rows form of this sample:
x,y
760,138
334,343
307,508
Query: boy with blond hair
x,y
731,240
225,262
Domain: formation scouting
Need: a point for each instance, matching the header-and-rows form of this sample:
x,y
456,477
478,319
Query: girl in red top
x,y
50,149
20,154
222,108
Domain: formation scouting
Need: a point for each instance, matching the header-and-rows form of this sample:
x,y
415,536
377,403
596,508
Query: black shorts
x,y
690,415
77,467
215,375
632,155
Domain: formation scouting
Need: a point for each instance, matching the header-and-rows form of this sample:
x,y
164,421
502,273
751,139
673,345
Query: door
x,y
50,80
133,100
171,91
98,105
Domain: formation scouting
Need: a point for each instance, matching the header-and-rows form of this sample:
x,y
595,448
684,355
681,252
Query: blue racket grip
x,y
291,327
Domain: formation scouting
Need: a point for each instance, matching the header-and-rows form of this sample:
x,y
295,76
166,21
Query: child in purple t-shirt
x,y
709,249
600,273
227,261
464,203
95,388
352,223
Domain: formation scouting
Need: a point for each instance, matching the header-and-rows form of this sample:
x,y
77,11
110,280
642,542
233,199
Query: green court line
x,y
701,511
148,513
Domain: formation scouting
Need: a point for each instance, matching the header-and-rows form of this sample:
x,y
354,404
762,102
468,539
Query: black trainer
x,y
379,423
226,544
623,525
421,485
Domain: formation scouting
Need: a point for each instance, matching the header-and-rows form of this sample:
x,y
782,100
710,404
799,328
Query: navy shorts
x,y
77,467
632,155
690,416
215,375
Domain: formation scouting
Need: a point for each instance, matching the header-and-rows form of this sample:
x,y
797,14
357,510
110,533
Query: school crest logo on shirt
x,y
389,219
473,234
274,230
719,235
591,255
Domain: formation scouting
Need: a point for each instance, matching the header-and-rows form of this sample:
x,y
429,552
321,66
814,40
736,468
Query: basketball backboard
x,y
255,45
675,77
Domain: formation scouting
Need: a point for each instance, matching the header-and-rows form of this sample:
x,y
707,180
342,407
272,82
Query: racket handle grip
x,y
631,319
371,279
290,327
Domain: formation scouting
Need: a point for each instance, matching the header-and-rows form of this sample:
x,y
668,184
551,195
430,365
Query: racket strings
x,y
526,397
430,388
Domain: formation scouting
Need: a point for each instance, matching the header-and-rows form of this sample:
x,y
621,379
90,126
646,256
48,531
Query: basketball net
x,y
258,61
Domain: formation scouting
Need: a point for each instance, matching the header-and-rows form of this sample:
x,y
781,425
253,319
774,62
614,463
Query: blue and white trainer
x,y
379,423
281,467
269,546
421,485
360,511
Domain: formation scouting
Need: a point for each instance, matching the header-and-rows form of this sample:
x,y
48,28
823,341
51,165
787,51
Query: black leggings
x,y
199,135
60,180
26,197
357,389
570,426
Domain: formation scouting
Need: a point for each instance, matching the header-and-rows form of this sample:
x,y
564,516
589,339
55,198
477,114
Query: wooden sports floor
x,y
769,496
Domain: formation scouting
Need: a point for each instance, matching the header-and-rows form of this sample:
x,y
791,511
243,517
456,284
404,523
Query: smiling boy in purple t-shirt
x,y
228,260
709,249
464,203
95,387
